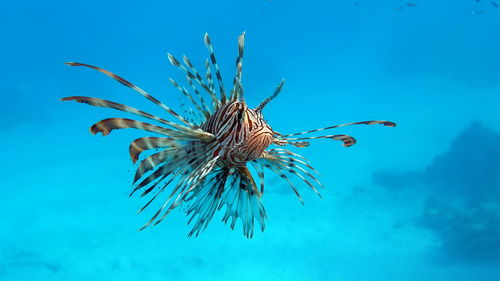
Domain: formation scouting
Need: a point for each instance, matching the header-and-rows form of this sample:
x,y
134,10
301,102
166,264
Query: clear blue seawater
x,y
417,202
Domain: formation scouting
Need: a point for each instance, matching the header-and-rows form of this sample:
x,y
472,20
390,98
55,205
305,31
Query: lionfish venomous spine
x,y
204,163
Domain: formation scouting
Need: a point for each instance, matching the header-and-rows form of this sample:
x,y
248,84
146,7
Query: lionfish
x,y
205,163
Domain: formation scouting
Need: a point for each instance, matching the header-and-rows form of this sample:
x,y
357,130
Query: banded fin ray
x,y
146,143
376,122
206,110
118,106
208,87
289,164
175,62
345,139
107,125
188,95
233,189
135,88
210,81
237,92
213,60
276,92
171,156
260,172
183,157
193,180
244,201
189,168
277,169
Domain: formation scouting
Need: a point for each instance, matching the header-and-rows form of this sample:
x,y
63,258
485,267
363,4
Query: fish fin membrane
x,y
234,189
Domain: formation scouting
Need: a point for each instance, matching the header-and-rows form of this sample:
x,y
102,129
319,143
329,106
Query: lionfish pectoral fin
x,y
205,200
298,142
189,169
282,161
260,172
270,164
114,105
234,189
283,142
146,143
248,178
374,122
135,88
243,200
107,125
346,140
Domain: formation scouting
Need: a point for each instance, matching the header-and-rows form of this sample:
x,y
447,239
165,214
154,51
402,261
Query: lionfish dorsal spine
x,y
208,76
277,90
188,95
237,92
213,60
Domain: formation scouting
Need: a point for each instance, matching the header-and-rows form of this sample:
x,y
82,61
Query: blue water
x,y
417,202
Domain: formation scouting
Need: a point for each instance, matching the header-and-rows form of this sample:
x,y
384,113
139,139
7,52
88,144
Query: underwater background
x,y
417,202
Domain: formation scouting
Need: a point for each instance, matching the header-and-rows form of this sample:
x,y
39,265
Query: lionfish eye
x,y
240,113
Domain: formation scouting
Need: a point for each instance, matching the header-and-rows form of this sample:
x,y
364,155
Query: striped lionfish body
x,y
205,163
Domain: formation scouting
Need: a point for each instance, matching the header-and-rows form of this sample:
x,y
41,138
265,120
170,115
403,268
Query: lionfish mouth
x,y
205,163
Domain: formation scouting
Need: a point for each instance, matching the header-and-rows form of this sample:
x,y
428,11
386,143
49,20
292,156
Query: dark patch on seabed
x,y
462,208
23,260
